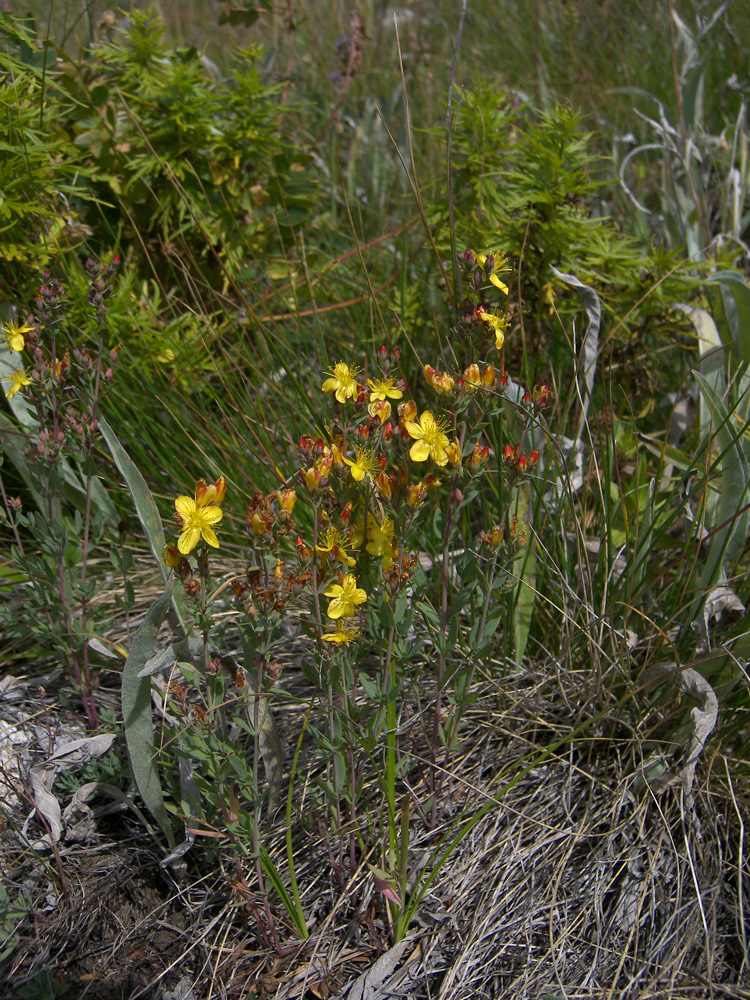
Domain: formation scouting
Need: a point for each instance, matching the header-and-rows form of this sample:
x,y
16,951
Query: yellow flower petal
x,y
188,540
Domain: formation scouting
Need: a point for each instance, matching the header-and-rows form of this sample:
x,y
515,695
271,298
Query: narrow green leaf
x,y
729,540
735,301
148,512
136,714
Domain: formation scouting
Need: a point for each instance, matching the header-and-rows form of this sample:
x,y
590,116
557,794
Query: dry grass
x,y
582,882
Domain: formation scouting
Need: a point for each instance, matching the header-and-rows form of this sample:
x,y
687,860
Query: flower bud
x,y
472,377
381,409
258,525
416,492
303,550
488,376
479,456
540,394
384,484
171,556
407,411
287,499
311,478
453,451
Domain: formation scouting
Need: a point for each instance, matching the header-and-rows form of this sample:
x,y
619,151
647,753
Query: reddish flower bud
x,y
384,484
541,392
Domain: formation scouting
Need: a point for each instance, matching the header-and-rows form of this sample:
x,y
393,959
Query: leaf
x,y
735,301
590,347
136,713
731,526
147,511
13,439
371,984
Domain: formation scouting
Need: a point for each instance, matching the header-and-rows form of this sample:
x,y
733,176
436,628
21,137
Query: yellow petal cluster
x,y
14,335
497,265
499,325
17,380
344,634
346,596
198,515
363,464
430,439
342,381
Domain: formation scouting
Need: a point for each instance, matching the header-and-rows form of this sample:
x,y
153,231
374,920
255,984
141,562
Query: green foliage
x,y
40,176
52,444
192,166
14,909
532,183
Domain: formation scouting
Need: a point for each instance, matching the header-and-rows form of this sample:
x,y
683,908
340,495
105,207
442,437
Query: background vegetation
x,y
289,185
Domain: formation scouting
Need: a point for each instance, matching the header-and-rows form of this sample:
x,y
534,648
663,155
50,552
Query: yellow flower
x,y
336,544
498,324
197,521
346,597
18,379
493,264
343,635
383,389
342,381
430,440
14,335
381,541
364,464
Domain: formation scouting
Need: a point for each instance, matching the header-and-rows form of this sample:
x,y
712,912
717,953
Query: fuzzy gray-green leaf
x,y
136,713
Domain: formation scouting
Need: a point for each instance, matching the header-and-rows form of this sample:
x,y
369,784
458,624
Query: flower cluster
x,y
369,471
